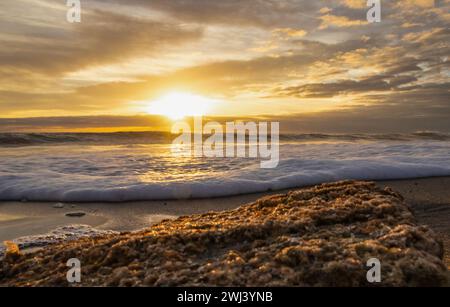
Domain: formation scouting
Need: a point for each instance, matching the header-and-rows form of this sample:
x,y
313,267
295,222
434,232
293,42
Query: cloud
x,y
346,87
355,4
101,38
290,32
261,13
329,20
85,123
276,53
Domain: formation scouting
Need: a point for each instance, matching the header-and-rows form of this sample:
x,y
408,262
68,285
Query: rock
x,y
58,206
321,236
75,214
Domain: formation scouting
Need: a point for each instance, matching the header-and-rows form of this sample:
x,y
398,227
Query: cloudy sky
x,y
316,65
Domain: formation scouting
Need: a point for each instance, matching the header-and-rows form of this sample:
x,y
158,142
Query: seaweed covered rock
x,y
321,236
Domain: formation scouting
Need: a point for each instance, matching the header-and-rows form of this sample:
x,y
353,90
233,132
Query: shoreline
x,y
429,198
269,192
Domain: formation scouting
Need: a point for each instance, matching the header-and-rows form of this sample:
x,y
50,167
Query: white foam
x,y
121,173
58,235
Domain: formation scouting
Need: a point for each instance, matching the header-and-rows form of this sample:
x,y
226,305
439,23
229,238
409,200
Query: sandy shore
x,y
429,198
319,236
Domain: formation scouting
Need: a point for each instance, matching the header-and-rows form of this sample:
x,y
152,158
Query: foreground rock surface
x,y
322,236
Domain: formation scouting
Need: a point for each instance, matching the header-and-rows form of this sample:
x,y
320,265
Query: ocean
x,y
135,166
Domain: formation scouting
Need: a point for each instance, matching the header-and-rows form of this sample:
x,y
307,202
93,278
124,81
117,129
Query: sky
x,y
312,65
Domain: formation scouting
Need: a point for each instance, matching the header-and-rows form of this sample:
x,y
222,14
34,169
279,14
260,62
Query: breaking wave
x,y
128,172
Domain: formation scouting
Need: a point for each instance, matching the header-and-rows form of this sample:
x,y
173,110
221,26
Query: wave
x,y
34,139
30,139
122,173
434,136
213,188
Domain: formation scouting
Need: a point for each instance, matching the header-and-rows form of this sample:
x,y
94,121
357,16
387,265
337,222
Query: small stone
x,y
58,206
75,214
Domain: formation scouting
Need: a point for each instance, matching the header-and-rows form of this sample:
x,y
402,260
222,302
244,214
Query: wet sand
x,y
30,218
429,198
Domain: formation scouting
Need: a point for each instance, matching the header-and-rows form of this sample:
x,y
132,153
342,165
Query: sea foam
x,y
133,172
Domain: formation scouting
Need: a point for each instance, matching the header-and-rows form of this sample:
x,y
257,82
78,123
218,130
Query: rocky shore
x,y
322,236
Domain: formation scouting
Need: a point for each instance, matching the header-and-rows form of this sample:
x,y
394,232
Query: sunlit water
x,y
143,167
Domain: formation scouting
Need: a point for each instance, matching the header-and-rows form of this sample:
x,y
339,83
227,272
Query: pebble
x,y
75,214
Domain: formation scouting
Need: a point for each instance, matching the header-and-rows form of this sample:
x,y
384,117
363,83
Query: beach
x,y
317,236
238,143
429,198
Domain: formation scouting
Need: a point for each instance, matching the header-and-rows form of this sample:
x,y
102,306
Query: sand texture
x,y
321,236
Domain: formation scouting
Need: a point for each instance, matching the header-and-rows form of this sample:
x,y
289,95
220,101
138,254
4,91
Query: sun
x,y
179,105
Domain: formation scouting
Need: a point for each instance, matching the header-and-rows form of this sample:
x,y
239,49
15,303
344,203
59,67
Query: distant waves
x,y
30,139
